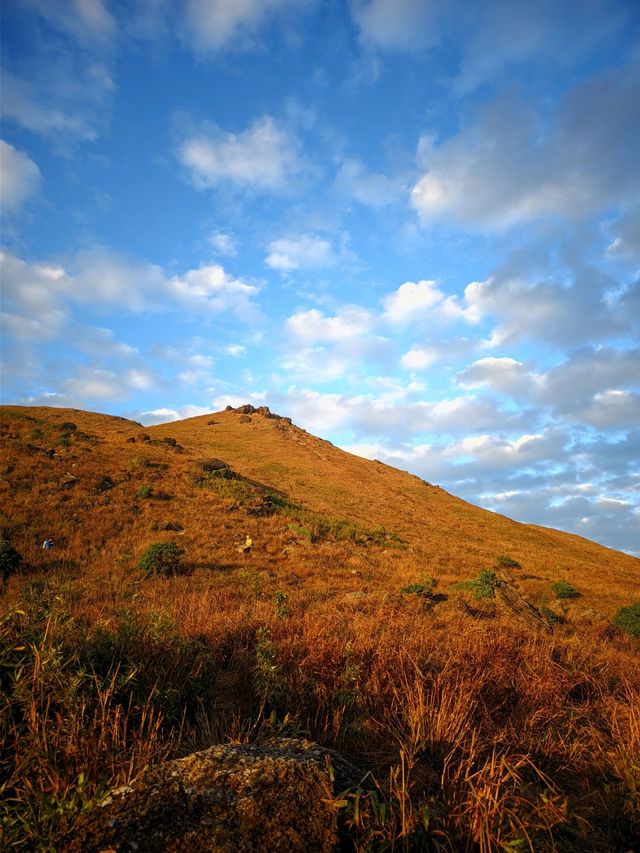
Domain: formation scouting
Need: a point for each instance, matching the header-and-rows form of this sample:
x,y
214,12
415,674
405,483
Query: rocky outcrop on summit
x,y
265,411
238,797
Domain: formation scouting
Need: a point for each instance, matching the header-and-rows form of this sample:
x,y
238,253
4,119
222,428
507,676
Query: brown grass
x,y
471,731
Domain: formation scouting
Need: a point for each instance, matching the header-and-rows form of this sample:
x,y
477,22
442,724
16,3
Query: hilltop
x,y
82,487
419,635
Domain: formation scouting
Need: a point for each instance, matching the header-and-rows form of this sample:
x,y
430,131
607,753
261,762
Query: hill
x,y
419,634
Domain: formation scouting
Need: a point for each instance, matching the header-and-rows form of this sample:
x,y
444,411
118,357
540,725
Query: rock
x,y
213,464
143,436
68,480
245,419
228,798
517,606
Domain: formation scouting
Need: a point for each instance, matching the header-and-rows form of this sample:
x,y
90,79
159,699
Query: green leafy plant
x,y
161,559
563,589
482,587
10,559
280,599
628,619
424,588
144,492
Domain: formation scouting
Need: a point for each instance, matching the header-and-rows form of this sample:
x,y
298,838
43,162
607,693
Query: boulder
x,y
275,796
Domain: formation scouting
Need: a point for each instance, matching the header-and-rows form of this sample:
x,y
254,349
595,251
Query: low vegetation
x,y
563,589
471,729
628,619
161,559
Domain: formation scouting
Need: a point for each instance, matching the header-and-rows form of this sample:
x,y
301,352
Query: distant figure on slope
x,y
248,545
47,545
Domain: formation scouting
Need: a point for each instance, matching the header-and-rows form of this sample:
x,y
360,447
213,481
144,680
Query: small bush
x,y
68,426
10,559
161,559
424,588
628,619
504,562
482,587
563,589
144,492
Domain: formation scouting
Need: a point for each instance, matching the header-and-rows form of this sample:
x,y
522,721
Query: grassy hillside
x,y
485,714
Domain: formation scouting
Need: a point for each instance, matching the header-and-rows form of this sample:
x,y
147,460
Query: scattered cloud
x,y
265,157
19,177
404,25
84,20
303,251
510,167
369,188
223,243
214,25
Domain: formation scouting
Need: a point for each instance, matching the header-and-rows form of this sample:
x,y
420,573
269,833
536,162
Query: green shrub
x,y
628,619
301,530
161,559
424,588
549,616
482,587
10,559
504,562
485,584
563,589
144,492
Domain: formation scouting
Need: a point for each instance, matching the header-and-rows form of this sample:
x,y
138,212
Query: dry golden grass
x,y
477,730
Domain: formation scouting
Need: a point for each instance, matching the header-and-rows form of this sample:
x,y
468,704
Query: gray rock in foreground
x,y
237,797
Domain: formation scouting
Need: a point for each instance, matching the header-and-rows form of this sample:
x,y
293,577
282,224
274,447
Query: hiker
x,y
47,545
248,545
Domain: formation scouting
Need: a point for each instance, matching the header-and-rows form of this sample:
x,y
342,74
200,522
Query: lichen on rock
x,y
275,796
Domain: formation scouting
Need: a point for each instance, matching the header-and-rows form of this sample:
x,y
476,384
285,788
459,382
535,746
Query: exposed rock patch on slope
x,y
229,798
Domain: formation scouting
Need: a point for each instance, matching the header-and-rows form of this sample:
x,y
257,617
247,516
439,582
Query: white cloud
x,y
235,350
303,251
19,177
165,415
213,25
613,409
83,19
411,299
263,157
551,310
419,358
104,279
21,104
395,24
369,188
313,326
223,243
508,168
506,375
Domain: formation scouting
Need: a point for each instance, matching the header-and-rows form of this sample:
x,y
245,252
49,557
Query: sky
x,y
413,226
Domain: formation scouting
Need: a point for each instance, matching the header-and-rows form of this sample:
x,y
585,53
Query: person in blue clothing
x,y
47,545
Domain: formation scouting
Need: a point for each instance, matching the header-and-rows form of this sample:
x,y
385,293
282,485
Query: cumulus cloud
x,y
395,24
508,168
313,326
213,25
415,300
19,177
265,157
303,251
506,375
43,292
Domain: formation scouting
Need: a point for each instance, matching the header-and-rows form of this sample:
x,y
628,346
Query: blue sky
x,y
413,226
